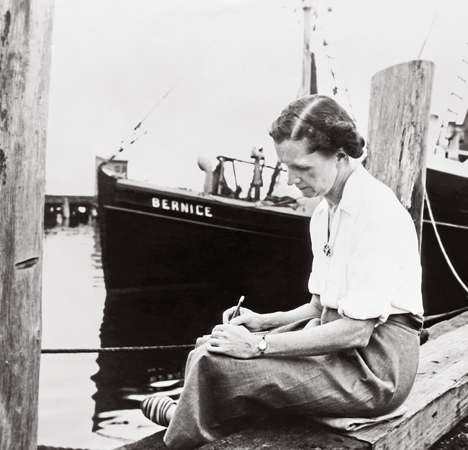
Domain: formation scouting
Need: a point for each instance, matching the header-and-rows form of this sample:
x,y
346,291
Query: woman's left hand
x,y
233,340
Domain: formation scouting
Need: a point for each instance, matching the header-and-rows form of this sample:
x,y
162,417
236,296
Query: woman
x,y
352,351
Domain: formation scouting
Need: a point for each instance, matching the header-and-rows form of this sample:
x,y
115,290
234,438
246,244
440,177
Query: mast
x,y
309,69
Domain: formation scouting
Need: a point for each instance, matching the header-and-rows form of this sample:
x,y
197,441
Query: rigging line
x,y
176,84
445,121
439,240
333,35
430,29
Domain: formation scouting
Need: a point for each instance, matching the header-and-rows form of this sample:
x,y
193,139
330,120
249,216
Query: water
x,y
74,300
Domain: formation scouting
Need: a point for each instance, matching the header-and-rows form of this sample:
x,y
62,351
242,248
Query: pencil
x,y
236,311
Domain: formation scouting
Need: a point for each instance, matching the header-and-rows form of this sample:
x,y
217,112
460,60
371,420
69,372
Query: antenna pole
x,y
309,70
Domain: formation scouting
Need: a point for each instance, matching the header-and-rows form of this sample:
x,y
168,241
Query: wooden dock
x,y
438,401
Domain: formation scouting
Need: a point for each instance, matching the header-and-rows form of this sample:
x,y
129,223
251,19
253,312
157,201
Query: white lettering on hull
x,y
187,208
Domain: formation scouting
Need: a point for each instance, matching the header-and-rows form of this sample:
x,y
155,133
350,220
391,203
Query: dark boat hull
x,y
448,196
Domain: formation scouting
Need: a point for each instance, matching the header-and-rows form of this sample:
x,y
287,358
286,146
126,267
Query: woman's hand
x,y
234,341
249,319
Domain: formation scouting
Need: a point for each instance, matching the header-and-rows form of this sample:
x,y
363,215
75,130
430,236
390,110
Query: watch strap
x,y
262,344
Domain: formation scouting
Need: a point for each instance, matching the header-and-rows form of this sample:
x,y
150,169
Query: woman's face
x,y
314,174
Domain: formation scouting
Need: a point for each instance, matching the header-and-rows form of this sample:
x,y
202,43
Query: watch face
x,y
262,345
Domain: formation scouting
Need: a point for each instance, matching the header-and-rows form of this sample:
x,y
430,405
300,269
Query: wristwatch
x,y
262,345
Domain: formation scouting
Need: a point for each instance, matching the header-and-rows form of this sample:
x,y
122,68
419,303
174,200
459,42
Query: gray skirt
x,y
362,382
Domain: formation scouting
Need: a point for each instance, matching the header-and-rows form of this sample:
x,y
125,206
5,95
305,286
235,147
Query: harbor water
x,y
85,400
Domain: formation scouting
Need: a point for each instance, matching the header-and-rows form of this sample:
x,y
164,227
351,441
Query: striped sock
x,y
155,408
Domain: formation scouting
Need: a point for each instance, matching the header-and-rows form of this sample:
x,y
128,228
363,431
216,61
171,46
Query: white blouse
x,y
373,268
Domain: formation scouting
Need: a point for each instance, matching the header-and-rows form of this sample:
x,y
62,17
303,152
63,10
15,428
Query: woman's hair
x,y
323,122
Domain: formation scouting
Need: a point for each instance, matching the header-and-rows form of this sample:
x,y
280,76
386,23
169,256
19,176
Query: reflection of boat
x,y
196,253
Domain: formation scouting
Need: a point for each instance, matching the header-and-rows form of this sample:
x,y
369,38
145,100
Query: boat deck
x,y
438,401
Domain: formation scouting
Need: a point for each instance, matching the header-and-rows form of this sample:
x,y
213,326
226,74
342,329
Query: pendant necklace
x,y
326,247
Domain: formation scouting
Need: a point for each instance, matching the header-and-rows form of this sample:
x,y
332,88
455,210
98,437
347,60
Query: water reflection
x,y
74,216
125,377
82,393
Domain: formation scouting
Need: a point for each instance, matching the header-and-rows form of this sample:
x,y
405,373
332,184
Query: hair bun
x,y
345,135
323,122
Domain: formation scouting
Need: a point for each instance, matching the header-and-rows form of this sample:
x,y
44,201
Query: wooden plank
x,y
153,442
265,434
280,434
25,48
438,401
397,131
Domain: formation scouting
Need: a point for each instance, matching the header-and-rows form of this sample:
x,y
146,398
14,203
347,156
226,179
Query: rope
x,y
115,349
445,121
331,27
47,447
445,224
430,28
436,318
134,138
442,248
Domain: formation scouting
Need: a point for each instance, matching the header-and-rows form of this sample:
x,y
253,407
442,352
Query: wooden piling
x,y
25,50
398,129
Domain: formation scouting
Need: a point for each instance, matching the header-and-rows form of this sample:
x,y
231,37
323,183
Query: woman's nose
x,y
292,178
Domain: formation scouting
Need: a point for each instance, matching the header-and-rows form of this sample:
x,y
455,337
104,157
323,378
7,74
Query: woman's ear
x,y
341,156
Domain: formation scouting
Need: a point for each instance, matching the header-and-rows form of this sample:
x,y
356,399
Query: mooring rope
x,y
47,447
439,240
115,349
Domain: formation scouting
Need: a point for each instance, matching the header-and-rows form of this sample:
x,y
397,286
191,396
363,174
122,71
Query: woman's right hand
x,y
249,319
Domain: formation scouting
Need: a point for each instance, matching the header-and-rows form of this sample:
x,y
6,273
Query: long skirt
x,y
362,382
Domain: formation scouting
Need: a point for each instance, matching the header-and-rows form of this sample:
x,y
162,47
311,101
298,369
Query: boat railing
x,y
219,185
234,160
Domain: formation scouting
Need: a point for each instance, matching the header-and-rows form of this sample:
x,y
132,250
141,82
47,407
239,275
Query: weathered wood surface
x,y
398,129
25,49
282,434
153,442
287,434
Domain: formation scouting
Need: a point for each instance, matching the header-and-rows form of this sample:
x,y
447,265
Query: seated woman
x,y
353,351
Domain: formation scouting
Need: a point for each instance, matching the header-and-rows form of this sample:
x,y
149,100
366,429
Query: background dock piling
x,y
398,132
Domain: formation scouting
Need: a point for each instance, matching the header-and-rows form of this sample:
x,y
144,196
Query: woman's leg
x,y
219,389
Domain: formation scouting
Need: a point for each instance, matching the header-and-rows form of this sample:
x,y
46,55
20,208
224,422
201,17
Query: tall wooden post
x,y
398,130
25,50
